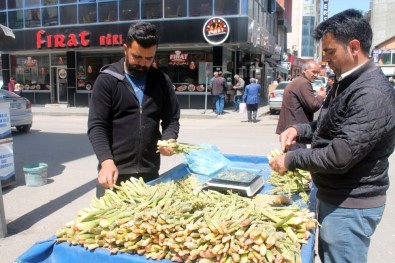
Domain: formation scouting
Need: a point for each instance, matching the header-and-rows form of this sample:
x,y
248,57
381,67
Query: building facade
x,y
60,45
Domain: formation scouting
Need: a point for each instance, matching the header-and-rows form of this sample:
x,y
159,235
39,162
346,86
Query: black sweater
x,y
351,141
120,129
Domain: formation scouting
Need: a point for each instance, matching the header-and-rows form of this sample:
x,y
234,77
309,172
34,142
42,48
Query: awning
x,y
388,71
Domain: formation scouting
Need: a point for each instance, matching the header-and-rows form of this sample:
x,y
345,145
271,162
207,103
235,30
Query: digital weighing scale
x,y
242,182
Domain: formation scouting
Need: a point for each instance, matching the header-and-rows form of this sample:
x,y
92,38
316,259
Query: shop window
x,y
129,10
226,7
68,14
15,19
50,16
175,8
12,4
108,12
32,17
31,71
152,9
87,13
200,8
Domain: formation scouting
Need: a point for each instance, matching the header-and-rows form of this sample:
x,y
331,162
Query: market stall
x,y
50,251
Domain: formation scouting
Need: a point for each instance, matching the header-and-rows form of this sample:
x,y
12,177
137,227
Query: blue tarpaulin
x,y
47,251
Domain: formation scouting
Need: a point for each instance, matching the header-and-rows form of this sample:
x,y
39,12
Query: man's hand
x,y
167,151
278,164
288,138
108,174
322,93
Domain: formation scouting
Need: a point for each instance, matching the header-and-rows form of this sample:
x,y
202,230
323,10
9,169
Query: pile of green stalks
x,y
172,221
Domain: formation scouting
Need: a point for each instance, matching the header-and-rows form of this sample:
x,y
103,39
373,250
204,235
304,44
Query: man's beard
x,y
136,70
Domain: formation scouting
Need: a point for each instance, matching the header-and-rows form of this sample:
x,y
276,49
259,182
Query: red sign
x,y
61,41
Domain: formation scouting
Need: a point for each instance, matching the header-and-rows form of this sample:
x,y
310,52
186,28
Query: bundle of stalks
x,y
171,221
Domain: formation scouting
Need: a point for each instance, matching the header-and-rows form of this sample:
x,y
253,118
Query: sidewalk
x,y
63,110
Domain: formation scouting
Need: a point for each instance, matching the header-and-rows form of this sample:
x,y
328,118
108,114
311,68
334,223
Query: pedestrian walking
x,y
251,97
239,91
350,142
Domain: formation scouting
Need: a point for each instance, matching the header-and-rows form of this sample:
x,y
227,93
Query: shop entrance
x,y
60,84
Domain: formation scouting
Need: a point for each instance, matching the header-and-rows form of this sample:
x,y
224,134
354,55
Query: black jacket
x,y
351,141
120,129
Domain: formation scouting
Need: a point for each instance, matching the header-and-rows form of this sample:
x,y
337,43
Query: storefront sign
x,y
325,10
110,40
61,41
178,58
216,30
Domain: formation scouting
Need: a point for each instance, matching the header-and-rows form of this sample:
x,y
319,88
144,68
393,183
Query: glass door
x,y
61,84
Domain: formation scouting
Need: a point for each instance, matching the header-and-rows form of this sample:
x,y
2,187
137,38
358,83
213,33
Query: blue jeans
x,y
237,100
344,234
219,103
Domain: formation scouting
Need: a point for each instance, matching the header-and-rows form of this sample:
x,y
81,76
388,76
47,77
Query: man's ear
x,y
355,46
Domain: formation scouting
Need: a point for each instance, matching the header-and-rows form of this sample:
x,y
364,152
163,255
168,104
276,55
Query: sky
x,y
336,6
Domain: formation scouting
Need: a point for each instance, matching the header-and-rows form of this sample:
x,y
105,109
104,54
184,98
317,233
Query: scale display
x,y
240,181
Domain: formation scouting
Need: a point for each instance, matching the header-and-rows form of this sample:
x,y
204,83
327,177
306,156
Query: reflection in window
x,y
68,14
108,12
200,8
129,10
175,8
50,16
2,5
67,1
31,3
226,7
15,19
87,13
151,10
3,18
15,4
49,2
32,17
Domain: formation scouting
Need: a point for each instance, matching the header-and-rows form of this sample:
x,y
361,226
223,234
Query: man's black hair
x,y
346,26
146,35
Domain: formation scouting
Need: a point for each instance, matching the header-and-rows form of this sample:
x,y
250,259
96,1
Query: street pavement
x,y
58,137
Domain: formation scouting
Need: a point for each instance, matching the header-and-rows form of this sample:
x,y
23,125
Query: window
x,y
200,8
67,1
227,7
32,3
129,10
3,18
108,12
15,19
2,5
49,2
87,13
32,17
12,4
50,16
152,9
68,14
175,8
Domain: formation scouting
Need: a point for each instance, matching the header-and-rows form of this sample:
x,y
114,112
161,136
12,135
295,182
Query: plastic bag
x,y
207,161
242,107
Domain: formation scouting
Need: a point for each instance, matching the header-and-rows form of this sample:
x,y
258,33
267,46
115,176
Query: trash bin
x,y
35,174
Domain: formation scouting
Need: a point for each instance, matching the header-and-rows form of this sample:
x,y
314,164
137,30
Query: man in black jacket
x,y
350,142
130,100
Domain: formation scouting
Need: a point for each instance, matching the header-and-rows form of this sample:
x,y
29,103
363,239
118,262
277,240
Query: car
x,y
20,110
276,97
318,85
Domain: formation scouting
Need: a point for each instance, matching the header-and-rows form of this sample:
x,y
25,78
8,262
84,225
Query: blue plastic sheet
x,y
48,251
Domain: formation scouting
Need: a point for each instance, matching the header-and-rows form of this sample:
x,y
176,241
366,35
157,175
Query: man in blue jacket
x,y
350,142
251,97
130,100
